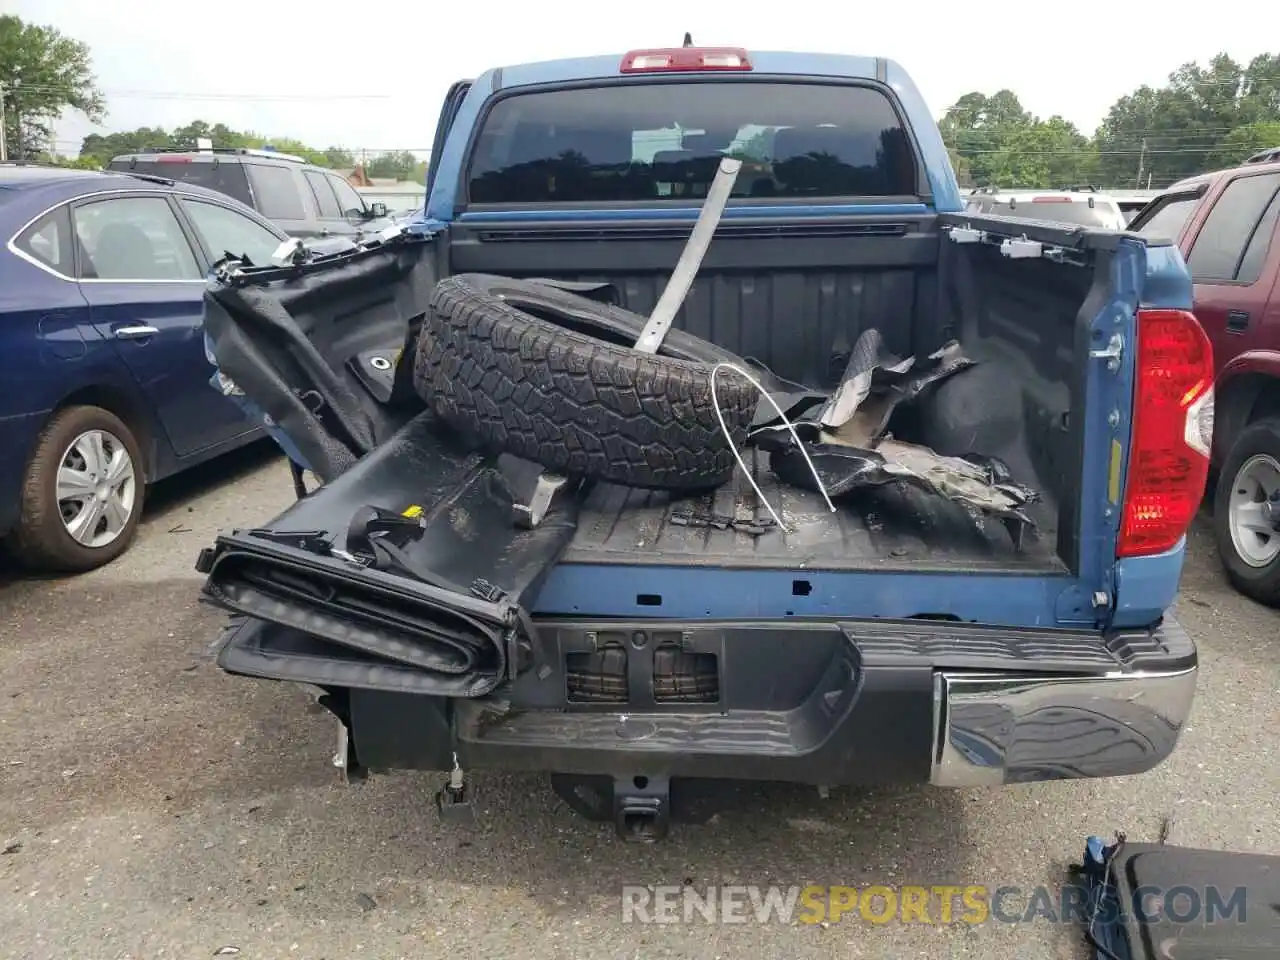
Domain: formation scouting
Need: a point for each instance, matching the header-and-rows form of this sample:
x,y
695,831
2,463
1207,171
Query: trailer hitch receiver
x,y
642,808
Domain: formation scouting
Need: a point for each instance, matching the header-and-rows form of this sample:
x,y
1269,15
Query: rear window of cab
x,y
663,142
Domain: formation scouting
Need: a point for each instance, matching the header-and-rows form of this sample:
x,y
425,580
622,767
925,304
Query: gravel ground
x,y
153,807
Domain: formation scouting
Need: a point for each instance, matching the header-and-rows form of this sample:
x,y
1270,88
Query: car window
x,y
48,240
224,231
1220,245
132,238
325,200
204,171
1255,254
664,141
276,192
1167,220
351,203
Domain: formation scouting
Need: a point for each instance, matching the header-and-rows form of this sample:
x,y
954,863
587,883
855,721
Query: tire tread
x,y
572,402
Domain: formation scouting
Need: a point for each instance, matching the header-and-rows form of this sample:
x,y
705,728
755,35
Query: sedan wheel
x,y
82,495
97,488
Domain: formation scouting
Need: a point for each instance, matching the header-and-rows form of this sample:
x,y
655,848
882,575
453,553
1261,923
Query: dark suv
x,y
303,199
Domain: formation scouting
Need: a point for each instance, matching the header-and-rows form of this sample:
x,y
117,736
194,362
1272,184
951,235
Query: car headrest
x,y
600,147
123,251
856,148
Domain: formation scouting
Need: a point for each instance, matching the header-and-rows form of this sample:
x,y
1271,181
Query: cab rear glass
x,y
628,142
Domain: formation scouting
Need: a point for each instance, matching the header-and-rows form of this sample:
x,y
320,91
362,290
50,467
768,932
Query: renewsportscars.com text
x,y
936,904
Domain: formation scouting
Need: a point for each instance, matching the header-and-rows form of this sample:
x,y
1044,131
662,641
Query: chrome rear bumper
x,y
992,728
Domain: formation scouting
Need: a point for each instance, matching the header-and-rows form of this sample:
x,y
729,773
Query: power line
x,y
49,89
1136,152
1148,132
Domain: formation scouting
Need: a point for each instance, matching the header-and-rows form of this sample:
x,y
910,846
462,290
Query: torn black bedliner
x,y
857,412
255,648
446,598
274,331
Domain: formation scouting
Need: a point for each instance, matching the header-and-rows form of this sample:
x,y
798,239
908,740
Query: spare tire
x,y
559,384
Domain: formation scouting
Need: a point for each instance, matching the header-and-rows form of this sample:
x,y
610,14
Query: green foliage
x,y
42,73
1190,124
1243,142
102,147
400,165
98,149
1205,117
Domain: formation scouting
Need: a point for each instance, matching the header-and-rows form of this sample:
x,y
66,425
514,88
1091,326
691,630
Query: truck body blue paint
x,y
1135,587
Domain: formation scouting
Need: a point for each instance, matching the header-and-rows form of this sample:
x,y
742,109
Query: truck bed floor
x,y
888,528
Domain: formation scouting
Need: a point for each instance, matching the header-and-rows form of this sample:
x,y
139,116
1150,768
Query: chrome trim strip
x,y
12,244
993,728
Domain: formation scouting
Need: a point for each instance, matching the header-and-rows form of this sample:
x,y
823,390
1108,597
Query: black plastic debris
x,y
847,436
858,411
1161,902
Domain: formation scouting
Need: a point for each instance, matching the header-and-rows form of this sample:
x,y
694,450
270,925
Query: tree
x,y
1048,153
339,158
102,147
398,165
977,127
42,72
1242,142
1205,117
964,175
74,163
1180,129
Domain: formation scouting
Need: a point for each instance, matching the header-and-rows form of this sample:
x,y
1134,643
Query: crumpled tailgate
x,y
437,595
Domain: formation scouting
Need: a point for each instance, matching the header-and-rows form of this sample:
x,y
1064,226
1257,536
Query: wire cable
x,y
733,447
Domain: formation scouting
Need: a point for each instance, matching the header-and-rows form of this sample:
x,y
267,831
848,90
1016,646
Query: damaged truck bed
x,y
895,527
873,492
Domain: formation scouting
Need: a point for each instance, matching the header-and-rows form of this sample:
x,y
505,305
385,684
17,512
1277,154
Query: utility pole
x,y
4,150
1142,156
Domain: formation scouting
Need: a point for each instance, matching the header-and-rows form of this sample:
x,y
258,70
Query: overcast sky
x,y
319,72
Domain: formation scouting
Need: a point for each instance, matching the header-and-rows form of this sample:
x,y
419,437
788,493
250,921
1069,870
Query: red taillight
x,y
1172,432
685,59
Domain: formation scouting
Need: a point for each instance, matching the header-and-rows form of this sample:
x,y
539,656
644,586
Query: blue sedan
x,y
104,381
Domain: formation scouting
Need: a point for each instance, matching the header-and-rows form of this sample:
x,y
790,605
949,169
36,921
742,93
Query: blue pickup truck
x,y
895,640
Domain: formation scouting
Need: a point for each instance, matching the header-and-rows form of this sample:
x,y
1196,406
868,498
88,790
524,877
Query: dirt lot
x,y
152,807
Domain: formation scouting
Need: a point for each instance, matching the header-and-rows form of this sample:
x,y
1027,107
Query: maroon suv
x,y
1226,226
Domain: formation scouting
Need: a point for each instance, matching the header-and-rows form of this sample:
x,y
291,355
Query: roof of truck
x,y
1208,178
762,62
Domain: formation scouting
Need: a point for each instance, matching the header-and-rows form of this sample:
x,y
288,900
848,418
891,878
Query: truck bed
x,y
796,297
1021,404
890,528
